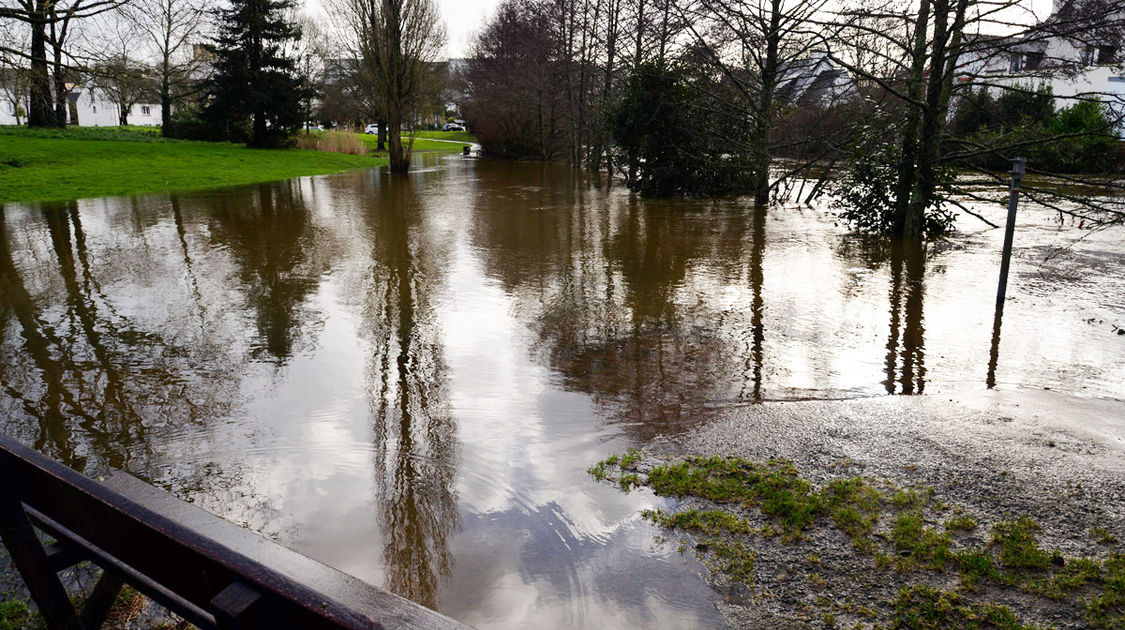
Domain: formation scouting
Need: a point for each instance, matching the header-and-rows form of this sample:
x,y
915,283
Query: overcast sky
x,y
463,18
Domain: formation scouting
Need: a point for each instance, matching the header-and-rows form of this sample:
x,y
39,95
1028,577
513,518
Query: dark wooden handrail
x,y
212,572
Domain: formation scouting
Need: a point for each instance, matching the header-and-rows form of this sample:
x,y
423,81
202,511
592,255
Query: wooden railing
x,y
211,572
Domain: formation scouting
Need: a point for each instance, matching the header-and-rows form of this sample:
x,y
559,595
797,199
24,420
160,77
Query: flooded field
x,y
407,378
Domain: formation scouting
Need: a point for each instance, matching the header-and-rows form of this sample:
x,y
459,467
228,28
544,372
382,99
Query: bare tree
x,y
753,43
171,27
113,67
50,22
398,43
943,49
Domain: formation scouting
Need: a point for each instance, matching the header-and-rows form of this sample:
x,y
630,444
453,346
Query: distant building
x,y
814,80
1052,55
92,107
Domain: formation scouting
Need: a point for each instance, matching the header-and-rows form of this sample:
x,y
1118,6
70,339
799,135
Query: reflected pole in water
x,y
1019,167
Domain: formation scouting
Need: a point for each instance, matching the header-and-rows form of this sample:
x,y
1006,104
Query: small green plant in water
x,y
630,458
711,522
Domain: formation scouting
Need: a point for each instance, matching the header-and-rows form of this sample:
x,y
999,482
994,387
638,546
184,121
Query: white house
x,y
1072,65
92,107
13,108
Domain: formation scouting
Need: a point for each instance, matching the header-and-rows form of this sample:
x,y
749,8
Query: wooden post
x,y
1019,167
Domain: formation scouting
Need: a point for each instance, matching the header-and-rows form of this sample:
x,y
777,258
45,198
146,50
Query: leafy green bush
x,y
682,134
864,197
1078,138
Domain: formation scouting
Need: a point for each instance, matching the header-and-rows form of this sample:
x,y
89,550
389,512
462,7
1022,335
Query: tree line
x,y
866,98
247,70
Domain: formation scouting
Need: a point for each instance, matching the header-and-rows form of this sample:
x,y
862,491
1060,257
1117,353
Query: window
x,y
95,109
11,108
144,110
1088,55
1032,60
1107,54
1014,62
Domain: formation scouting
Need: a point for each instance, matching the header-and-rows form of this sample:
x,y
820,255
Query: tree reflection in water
x,y
906,345
414,432
270,241
617,288
85,377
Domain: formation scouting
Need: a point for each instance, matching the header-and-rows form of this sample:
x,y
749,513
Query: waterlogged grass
x,y
900,528
926,608
773,487
79,162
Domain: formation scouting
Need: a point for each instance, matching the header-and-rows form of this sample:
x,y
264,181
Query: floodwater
x,y
407,377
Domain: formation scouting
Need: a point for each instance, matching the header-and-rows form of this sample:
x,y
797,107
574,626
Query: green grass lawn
x,y
457,136
77,162
430,142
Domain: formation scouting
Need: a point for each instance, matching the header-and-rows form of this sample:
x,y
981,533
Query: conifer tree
x,y
254,81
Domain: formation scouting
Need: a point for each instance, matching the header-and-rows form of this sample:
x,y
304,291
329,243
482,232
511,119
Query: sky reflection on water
x,y
406,378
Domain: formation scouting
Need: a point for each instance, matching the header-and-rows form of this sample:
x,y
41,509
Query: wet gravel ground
x,y
1056,458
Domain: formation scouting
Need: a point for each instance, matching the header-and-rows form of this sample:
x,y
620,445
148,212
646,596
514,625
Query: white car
x,y
372,130
452,127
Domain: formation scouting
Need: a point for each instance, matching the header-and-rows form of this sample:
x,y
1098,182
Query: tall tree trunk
x,y
382,135
166,98
909,143
943,64
638,55
763,123
40,112
400,161
61,92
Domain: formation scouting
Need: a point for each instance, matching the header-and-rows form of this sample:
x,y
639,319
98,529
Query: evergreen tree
x,y
255,82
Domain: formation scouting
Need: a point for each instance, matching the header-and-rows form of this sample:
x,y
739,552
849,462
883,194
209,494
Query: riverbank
x,y
904,511
77,162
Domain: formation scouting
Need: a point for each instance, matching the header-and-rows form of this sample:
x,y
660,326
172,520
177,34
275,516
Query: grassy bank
x,y
59,164
455,136
426,142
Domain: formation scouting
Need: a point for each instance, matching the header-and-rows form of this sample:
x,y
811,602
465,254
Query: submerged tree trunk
x,y
943,62
763,123
907,171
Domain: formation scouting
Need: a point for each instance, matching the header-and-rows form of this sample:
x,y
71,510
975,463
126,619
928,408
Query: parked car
x,y
372,130
452,127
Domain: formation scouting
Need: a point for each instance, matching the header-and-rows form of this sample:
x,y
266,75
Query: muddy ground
x,y
1055,458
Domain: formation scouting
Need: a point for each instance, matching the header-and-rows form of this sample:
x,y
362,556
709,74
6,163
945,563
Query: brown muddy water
x,y
407,377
